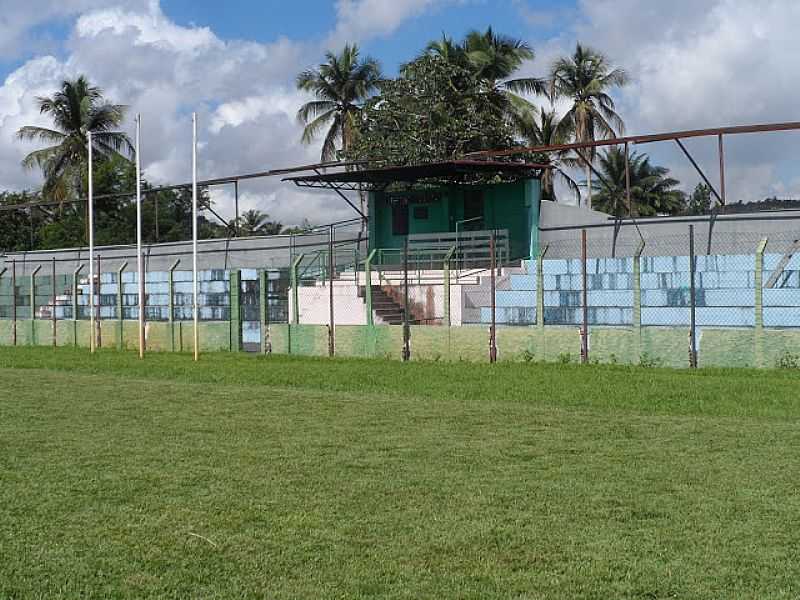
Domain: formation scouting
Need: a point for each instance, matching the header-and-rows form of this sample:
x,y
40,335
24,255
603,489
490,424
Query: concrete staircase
x,y
385,308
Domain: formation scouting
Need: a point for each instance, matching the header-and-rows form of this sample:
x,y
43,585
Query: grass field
x,y
290,478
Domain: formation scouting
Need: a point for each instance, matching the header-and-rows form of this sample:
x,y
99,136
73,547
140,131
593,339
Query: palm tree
x,y
255,222
75,109
653,191
541,127
493,59
585,78
496,58
340,86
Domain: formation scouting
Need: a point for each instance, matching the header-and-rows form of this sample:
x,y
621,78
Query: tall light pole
x,y
90,211
194,239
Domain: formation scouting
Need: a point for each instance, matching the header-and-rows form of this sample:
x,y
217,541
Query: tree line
x,y
453,98
458,97
56,217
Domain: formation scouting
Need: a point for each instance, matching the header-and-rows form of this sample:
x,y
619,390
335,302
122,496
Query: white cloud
x,y
280,102
358,20
19,18
243,92
701,64
150,28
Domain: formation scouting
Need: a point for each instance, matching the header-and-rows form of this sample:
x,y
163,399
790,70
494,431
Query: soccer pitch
x,y
256,477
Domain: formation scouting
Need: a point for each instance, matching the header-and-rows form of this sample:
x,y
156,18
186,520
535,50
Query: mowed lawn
x,y
268,477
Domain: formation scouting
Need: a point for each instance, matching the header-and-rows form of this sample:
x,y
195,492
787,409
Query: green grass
x,y
291,478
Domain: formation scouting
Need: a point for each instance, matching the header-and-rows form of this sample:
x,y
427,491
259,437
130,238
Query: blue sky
x,y
532,20
693,63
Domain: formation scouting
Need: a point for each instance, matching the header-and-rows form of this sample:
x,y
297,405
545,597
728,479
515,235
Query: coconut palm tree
x,y
541,127
653,191
77,108
255,222
585,79
496,58
493,59
340,86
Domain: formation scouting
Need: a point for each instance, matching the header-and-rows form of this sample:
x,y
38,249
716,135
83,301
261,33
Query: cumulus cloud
x,y
693,64
243,92
696,65
361,19
20,18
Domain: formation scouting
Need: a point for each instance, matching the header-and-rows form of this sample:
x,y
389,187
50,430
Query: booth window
x,y
420,213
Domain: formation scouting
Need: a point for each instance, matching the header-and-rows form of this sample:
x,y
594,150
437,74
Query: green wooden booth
x,y
455,203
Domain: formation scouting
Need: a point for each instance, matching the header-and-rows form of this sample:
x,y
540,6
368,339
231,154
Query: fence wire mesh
x,y
629,297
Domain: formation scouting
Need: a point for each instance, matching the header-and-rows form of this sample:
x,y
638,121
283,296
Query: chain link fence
x,y
644,298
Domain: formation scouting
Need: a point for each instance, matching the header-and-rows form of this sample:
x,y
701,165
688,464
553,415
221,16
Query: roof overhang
x,y
448,172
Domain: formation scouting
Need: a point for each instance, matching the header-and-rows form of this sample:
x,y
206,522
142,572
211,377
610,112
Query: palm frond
x,y
312,130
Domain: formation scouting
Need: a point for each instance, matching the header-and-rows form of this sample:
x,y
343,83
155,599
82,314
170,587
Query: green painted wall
x,y
512,206
661,346
214,336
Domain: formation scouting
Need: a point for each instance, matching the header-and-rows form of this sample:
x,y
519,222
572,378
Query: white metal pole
x,y
90,211
194,238
139,259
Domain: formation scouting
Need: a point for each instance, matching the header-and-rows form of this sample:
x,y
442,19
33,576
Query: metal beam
x,y
645,139
345,198
699,170
181,186
787,256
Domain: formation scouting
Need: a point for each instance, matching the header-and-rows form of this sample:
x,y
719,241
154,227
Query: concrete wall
x,y
660,346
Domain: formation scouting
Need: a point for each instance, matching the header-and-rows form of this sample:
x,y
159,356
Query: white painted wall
x,y
426,290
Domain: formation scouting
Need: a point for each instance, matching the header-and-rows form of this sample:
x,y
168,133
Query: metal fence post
x,y
331,270
120,323
75,316
171,303
368,287
584,302
98,313
295,292
692,303
263,288
53,308
758,304
637,298
14,302
493,286
33,305
406,326
540,287
448,320
235,311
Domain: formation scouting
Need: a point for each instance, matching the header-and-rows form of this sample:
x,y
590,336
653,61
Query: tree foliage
x,y
699,202
653,191
435,110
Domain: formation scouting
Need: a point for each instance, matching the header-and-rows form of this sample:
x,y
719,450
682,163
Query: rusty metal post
x,y
331,266
721,170
493,285
584,302
237,227
628,181
692,303
53,309
33,305
14,302
98,328
406,326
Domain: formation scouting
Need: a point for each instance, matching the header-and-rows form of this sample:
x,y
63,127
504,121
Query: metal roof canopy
x,y
452,171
